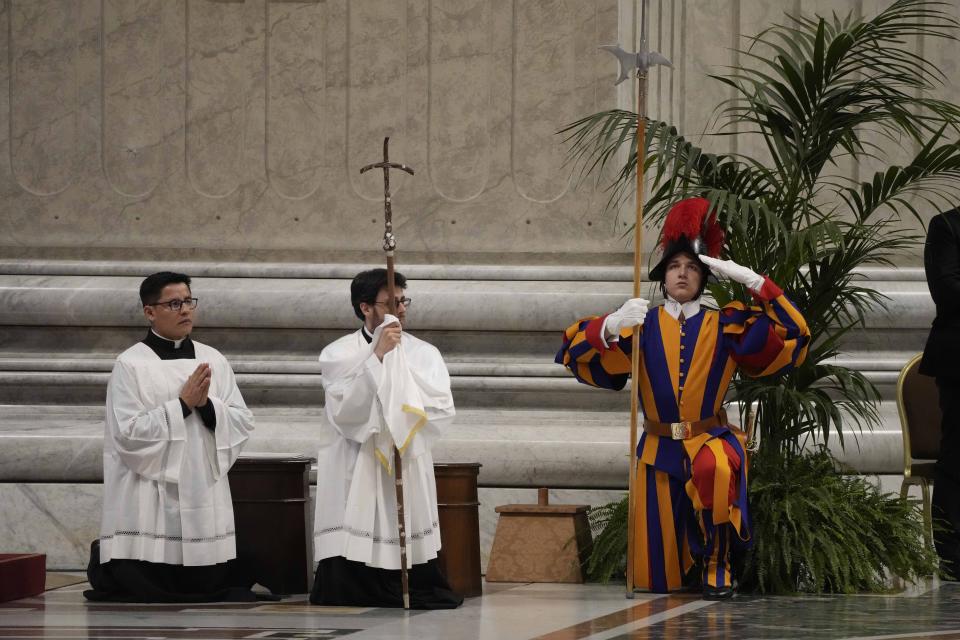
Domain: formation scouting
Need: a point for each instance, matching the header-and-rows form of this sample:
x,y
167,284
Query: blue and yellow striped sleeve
x,y
590,360
767,339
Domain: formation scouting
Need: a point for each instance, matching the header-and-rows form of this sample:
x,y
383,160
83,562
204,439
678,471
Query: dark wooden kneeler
x,y
22,575
458,506
270,494
270,500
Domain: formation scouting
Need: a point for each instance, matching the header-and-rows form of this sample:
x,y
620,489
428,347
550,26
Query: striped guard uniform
x,y
691,495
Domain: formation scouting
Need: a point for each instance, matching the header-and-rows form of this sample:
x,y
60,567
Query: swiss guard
x,y
690,498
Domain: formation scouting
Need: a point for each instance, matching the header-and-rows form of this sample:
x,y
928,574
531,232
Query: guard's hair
x,y
704,276
367,284
153,285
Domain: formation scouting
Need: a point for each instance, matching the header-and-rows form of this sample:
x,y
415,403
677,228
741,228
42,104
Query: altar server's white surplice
x,y
166,494
370,406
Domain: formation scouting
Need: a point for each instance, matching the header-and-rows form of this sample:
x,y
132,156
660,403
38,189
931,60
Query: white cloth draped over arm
x,y
360,389
415,397
234,421
150,442
433,382
355,514
350,382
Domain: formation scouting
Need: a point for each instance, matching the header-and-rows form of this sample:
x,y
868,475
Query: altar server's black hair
x,y
153,285
367,284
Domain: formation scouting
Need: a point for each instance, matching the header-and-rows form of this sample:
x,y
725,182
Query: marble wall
x,y
143,127
239,125
62,520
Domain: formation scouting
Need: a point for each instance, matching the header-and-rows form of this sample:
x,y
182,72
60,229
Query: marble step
x,y
491,382
346,270
505,381
62,322
19,387
491,366
270,311
518,448
341,271
279,364
296,303
301,303
244,315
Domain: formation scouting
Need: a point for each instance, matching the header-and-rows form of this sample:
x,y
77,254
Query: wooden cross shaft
x,y
390,246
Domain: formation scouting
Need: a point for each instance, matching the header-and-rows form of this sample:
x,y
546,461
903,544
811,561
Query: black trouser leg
x,y
946,482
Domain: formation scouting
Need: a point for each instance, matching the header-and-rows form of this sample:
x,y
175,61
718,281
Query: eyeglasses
x,y
176,305
400,301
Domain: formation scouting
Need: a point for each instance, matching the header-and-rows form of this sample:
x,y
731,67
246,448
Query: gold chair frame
x,y
908,477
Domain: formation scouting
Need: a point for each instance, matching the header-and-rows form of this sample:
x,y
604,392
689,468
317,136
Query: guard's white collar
x,y
674,308
176,343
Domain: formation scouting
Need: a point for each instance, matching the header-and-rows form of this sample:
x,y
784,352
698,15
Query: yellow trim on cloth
x,y
384,460
406,408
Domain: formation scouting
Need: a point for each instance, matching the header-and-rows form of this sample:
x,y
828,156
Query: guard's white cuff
x,y
603,333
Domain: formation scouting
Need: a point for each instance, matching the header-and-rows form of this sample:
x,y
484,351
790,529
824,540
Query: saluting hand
x,y
195,389
389,339
730,270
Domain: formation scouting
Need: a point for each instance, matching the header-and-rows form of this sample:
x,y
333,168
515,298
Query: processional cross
x,y
390,247
389,240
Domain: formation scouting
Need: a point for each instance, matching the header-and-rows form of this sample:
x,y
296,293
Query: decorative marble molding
x,y
149,125
246,122
300,303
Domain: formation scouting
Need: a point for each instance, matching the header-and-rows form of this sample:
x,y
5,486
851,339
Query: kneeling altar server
x,y
383,388
175,423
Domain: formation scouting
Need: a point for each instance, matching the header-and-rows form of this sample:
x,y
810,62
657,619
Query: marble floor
x,y
520,611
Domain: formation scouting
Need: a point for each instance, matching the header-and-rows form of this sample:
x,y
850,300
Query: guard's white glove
x,y
630,314
730,270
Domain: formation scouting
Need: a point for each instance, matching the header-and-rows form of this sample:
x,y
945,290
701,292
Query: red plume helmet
x,y
690,227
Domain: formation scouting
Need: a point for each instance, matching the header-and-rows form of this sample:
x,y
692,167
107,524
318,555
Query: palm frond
x,y
933,176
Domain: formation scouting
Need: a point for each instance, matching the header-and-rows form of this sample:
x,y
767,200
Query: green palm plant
x,y
815,92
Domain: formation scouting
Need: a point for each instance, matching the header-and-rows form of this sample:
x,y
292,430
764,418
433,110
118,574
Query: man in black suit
x,y
941,359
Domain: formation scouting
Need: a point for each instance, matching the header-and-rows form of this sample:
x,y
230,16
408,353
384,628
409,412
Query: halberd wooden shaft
x,y
635,350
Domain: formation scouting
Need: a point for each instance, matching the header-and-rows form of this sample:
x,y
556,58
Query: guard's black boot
x,y
718,593
691,582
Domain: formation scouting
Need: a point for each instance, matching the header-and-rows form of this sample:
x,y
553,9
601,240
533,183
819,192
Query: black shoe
x,y
718,593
